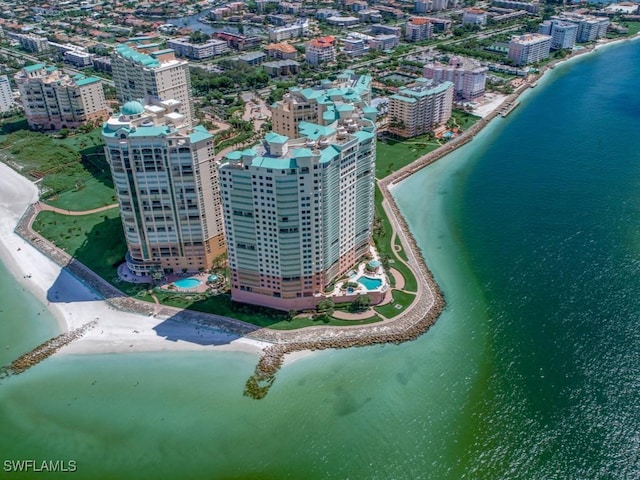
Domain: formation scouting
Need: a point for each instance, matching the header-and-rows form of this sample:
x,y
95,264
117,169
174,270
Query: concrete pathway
x,y
41,207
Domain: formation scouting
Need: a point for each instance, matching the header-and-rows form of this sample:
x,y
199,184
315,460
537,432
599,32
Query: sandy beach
x,y
73,304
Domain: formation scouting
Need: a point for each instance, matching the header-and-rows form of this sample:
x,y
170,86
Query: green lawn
x,y
464,119
392,155
382,238
399,298
93,194
96,240
399,250
334,322
634,27
222,305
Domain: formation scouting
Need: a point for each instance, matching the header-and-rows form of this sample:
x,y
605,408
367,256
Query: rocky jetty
x,y
44,351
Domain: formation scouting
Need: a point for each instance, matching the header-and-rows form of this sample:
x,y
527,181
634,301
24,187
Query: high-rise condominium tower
x,y
298,208
140,69
166,182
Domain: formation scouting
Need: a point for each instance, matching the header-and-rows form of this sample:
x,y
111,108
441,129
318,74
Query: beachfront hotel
x,y
166,182
141,69
310,104
420,108
53,100
298,209
529,48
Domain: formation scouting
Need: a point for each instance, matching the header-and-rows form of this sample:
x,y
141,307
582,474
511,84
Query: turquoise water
x,y
370,283
531,372
24,322
187,283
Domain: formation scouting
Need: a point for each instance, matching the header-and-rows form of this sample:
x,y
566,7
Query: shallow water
x,y
531,371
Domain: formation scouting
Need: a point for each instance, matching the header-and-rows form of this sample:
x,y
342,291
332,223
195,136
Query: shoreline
x,y
128,331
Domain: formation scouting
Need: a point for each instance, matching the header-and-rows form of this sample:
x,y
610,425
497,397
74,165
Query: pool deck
x,y
362,271
125,274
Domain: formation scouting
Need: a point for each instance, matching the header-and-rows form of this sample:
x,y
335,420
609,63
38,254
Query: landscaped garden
x,y
401,300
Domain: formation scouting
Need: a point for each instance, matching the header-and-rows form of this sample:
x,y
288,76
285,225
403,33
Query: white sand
x,y
488,104
73,304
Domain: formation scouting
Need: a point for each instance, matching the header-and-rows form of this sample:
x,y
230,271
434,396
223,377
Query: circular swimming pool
x,y
370,283
187,283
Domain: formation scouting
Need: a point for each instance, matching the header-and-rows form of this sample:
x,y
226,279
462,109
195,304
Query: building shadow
x,y
174,329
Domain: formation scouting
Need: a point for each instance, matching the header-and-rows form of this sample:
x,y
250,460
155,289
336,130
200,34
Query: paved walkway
x,y
41,207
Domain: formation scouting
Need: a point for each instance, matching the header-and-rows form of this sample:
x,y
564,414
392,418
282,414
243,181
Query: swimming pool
x,y
187,283
370,283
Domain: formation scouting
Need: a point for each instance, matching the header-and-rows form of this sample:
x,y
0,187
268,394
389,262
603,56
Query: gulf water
x,y
532,371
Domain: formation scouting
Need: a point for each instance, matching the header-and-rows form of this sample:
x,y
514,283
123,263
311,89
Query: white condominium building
x,y
299,209
529,48
320,50
6,95
420,108
316,104
140,69
468,76
299,29
563,34
418,29
53,100
198,51
166,182
474,16
590,28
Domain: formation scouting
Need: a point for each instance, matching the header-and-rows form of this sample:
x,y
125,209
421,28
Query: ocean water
x,y
24,322
532,371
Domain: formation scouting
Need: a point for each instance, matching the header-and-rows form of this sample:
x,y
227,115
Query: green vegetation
x,y
399,250
401,299
382,234
93,194
393,154
96,240
223,305
73,165
237,77
330,321
463,119
634,27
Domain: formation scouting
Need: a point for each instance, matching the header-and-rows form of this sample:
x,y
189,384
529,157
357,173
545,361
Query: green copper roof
x,y
143,59
33,68
132,108
273,137
274,163
235,155
361,135
302,153
329,153
403,98
86,80
150,131
313,131
199,133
